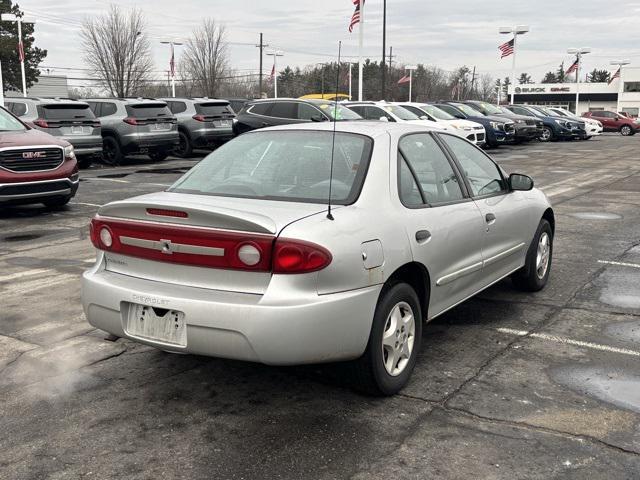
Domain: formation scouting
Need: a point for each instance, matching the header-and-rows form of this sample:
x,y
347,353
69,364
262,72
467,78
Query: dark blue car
x,y
499,129
555,127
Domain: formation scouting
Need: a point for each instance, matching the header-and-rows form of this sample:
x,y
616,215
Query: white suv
x,y
472,131
389,112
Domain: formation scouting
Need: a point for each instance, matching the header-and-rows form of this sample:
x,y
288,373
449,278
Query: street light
x,y
10,17
620,64
322,76
275,54
411,68
172,66
578,52
515,31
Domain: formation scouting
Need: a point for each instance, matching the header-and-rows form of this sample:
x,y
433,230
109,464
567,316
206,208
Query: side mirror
x,y
383,119
520,182
318,118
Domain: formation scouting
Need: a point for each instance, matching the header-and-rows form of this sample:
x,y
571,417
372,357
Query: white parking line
x,y
86,204
26,273
620,264
116,180
569,341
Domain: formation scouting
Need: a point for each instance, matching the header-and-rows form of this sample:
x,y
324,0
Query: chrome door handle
x,y
490,218
423,236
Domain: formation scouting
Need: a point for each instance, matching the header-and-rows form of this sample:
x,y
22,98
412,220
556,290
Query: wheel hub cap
x,y
398,338
543,255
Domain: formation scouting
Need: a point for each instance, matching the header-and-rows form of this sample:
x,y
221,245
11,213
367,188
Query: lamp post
x,y
172,65
578,52
515,31
10,17
275,54
411,68
620,64
323,65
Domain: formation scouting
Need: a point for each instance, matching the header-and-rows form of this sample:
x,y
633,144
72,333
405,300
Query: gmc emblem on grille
x,y
34,154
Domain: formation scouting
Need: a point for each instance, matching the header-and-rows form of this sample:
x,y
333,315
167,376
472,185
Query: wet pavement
x,y
508,385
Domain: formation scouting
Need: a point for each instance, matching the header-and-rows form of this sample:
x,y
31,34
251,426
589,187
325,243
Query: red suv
x,y
614,122
35,167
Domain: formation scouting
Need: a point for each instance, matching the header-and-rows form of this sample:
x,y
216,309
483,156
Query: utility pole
x,y
473,82
10,17
384,50
261,46
391,57
323,65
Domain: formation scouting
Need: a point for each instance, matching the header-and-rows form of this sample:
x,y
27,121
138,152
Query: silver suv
x,y
135,126
70,120
202,123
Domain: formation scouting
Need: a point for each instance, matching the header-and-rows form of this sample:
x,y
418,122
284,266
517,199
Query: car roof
x,y
133,100
363,127
194,99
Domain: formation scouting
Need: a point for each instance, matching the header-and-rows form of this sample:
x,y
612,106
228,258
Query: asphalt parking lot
x,y
508,385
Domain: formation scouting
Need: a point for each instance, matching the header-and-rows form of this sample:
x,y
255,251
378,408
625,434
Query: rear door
x,y
151,118
216,115
508,221
443,225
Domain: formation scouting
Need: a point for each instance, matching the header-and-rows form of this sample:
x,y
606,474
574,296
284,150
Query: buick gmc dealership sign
x,y
542,89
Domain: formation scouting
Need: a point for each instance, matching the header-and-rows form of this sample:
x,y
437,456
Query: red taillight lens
x,y
163,212
199,118
41,123
101,235
95,123
295,256
130,121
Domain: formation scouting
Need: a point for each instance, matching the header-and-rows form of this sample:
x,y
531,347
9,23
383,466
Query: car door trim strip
x,y
501,255
459,273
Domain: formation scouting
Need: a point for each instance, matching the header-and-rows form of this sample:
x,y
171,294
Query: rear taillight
x,y
101,235
295,256
95,123
130,121
41,123
199,118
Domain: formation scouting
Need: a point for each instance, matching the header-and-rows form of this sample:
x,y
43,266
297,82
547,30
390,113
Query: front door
x,y
506,215
443,225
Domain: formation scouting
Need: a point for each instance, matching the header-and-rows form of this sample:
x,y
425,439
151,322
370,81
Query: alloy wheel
x,y
398,338
546,134
626,130
543,255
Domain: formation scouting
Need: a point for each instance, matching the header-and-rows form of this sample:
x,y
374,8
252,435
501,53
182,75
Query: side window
x,y
9,106
359,109
484,176
108,109
19,109
261,108
284,110
434,174
177,107
376,113
307,112
95,108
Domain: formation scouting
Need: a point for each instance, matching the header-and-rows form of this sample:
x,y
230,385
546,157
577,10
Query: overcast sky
x,y
443,33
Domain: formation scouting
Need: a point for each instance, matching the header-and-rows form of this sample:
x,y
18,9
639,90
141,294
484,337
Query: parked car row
x,y
112,128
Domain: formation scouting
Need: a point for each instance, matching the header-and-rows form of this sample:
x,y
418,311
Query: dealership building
x,y
622,95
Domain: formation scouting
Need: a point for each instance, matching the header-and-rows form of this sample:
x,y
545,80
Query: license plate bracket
x,y
159,325
222,123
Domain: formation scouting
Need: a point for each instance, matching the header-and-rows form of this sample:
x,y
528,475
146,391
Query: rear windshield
x,y
338,112
66,112
281,165
213,109
148,110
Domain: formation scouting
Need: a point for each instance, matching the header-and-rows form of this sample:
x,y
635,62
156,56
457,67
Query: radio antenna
x,y
333,139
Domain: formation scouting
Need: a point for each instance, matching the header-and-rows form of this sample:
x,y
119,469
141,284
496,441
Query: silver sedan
x,y
244,257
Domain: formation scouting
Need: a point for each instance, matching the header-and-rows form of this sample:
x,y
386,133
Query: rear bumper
x,y
273,329
210,136
85,145
135,142
30,192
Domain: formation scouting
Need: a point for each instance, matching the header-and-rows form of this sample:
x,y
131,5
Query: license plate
x,y
222,123
156,324
75,130
160,126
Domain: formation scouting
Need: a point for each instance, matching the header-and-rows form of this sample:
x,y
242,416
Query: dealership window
x,y
633,111
632,86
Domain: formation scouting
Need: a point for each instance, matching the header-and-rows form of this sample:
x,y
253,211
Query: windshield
x,y
562,113
283,165
437,112
472,112
342,113
489,109
8,122
401,112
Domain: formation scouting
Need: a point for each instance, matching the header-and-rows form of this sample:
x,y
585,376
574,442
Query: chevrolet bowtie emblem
x,y
166,247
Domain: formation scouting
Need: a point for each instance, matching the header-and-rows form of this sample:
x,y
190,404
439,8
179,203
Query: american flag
x,y
573,67
355,18
172,62
273,73
21,51
404,79
615,75
507,48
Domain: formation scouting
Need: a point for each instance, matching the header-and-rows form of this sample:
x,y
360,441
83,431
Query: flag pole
x,y
350,65
360,43
410,83
173,71
513,69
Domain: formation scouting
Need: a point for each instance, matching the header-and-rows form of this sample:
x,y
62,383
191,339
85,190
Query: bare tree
x,y
205,57
118,51
487,88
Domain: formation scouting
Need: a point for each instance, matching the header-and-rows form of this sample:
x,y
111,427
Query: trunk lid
x,y
195,240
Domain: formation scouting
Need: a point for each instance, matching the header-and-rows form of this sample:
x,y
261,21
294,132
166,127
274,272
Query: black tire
x,y
185,148
368,373
85,161
547,135
589,137
627,130
56,202
158,155
528,278
111,151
